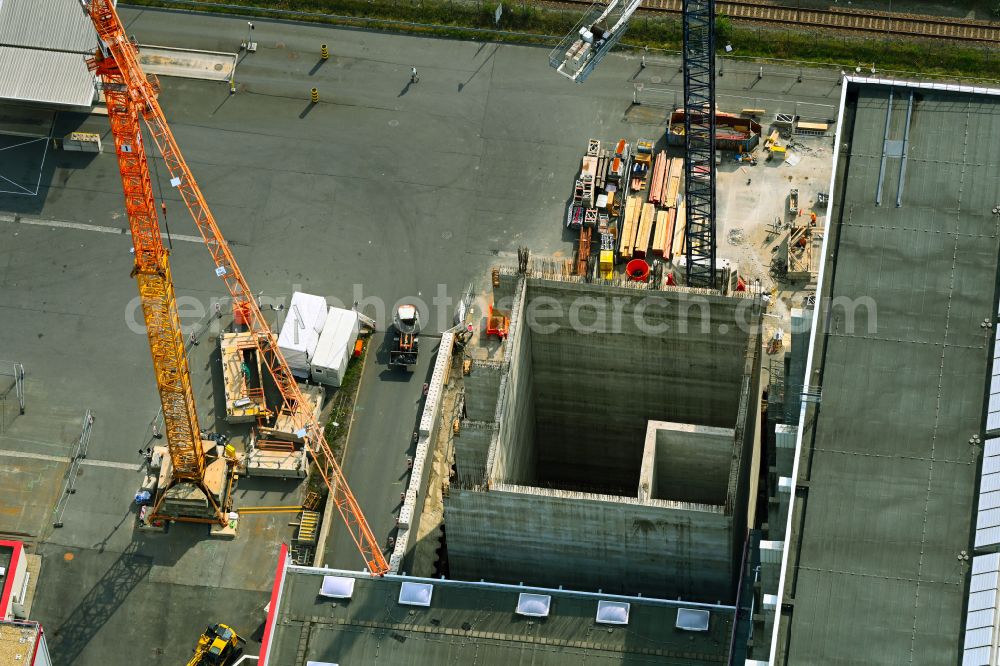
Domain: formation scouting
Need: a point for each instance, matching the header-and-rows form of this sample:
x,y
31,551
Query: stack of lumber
x,y
630,225
645,230
680,227
664,234
673,183
659,179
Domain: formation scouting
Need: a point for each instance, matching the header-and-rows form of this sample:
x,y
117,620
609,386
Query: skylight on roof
x,y
416,594
533,605
612,612
690,619
337,587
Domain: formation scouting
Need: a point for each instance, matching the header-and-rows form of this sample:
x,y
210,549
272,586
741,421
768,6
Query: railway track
x,y
842,19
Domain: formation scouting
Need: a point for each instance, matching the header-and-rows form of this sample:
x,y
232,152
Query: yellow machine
x,y
218,646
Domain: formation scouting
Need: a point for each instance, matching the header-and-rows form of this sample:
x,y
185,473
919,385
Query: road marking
x,y
90,227
64,459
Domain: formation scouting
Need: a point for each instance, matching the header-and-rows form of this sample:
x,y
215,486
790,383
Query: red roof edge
x,y
272,613
8,580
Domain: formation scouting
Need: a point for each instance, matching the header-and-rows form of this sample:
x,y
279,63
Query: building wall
x,y
471,448
482,388
513,458
554,538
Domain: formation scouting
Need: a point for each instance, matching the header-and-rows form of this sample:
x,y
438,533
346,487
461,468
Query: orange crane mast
x,y
129,83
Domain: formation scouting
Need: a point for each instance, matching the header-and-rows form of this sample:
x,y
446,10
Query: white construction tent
x,y
336,344
301,330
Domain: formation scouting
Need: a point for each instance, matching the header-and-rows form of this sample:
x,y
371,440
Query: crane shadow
x,y
99,604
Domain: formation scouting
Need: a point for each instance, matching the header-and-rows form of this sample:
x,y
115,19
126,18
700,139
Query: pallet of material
x,y
602,169
589,167
658,179
673,183
645,230
593,147
680,228
664,232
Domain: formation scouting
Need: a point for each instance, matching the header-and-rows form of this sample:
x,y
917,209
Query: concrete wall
x,y
482,389
687,463
595,391
471,448
513,457
552,538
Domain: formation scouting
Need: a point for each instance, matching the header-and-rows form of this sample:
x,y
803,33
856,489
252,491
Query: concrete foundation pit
x,y
612,447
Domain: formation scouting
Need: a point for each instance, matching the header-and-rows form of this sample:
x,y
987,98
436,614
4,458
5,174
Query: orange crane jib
x,y
130,94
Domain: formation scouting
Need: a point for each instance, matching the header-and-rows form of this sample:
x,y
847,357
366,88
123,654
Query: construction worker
x,y
812,218
193,338
156,432
413,75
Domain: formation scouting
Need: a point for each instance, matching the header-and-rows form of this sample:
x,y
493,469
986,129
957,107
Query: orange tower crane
x,y
130,95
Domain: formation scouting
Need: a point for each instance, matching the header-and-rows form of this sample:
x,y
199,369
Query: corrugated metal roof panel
x,y
992,447
989,483
45,76
982,600
984,581
984,563
987,518
978,638
52,25
976,657
991,465
979,619
989,500
993,421
989,536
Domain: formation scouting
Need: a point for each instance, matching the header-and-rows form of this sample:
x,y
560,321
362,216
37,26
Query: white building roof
x,y
50,25
45,77
43,44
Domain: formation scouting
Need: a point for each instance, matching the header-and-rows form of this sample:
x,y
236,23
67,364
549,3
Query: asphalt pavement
x,y
384,191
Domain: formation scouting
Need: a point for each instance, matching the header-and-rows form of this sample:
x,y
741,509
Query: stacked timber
x,y
646,220
673,184
659,178
664,233
680,229
630,224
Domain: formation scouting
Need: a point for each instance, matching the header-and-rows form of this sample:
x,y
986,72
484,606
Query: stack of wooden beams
x,y
630,225
659,178
680,228
664,234
645,230
673,183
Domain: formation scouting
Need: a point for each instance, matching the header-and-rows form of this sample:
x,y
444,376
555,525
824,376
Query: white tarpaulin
x,y
336,344
300,333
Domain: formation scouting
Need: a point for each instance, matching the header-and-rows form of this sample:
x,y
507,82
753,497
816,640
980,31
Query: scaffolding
x,y
699,140
586,45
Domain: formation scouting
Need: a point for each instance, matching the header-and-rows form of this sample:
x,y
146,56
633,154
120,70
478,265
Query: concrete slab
x,y
187,63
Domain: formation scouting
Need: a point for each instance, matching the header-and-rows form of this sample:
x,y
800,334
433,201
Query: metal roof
x,y
50,25
881,539
45,77
465,623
